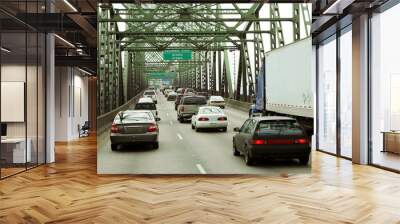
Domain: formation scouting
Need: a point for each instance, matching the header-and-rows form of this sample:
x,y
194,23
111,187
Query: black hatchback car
x,y
271,137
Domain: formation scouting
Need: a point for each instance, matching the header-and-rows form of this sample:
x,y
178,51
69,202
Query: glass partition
x,y
346,93
22,77
385,89
327,95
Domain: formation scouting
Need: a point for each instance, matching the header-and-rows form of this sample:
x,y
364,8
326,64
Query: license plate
x,y
213,123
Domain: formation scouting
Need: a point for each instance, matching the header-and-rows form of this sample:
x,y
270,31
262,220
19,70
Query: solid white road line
x,y
201,169
179,136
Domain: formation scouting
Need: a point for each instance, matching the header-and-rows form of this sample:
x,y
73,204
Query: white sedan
x,y
209,117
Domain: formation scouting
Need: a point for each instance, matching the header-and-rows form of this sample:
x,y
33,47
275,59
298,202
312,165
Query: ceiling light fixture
x,y
70,5
65,41
337,7
5,50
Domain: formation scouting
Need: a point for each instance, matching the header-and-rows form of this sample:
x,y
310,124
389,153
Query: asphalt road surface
x,y
185,151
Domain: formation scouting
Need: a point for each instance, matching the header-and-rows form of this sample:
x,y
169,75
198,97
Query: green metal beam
x,y
195,20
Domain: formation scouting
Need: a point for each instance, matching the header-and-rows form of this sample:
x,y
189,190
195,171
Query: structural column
x,y
360,90
50,93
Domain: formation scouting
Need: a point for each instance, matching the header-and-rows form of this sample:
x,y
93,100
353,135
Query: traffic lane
x,y
214,151
172,157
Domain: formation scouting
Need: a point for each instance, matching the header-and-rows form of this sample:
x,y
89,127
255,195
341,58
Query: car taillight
x,y
203,119
301,141
222,118
182,109
114,128
258,142
152,128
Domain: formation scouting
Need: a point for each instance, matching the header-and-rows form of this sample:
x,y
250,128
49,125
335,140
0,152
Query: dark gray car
x,y
133,126
271,137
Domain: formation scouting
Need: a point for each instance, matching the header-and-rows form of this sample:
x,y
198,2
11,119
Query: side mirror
x,y
158,119
236,129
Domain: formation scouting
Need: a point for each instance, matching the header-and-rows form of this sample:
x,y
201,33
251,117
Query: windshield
x,y
145,106
194,101
284,127
216,98
210,110
149,93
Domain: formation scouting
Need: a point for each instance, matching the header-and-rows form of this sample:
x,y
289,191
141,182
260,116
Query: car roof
x,y
145,100
273,118
189,96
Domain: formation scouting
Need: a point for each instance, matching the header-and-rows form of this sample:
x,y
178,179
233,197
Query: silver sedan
x,y
133,126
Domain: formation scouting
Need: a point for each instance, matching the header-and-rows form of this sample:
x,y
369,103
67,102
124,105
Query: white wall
x,y
71,102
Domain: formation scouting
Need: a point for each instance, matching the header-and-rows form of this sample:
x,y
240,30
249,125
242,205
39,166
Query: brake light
x,y
258,142
114,128
301,141
152,128
222,118
203,119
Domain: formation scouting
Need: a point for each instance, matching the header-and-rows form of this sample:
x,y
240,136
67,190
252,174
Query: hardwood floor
x,y
70,191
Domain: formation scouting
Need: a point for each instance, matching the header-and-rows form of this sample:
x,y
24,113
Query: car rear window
x,y
149,93
210,111
137,116
281,127
145,106
194,101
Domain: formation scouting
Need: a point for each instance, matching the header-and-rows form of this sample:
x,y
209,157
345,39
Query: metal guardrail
x,y
104,121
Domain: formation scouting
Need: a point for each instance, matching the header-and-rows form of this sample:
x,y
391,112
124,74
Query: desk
x,y
13,150
391,141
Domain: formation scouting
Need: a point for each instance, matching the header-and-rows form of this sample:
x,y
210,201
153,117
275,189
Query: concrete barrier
x,y
240,105
104,121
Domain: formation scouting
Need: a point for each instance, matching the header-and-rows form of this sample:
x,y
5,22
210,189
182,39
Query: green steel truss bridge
x,y
212,32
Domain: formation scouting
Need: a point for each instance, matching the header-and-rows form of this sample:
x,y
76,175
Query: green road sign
x,y
161,75
169,55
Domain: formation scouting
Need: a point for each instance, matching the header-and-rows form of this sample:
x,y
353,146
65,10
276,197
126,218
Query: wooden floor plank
x,y
70,191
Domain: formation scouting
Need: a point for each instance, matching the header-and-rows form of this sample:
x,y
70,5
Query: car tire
x,y
114,147
248,159
155,145
193,127
180,120
235,151
224,129
304,160
197,129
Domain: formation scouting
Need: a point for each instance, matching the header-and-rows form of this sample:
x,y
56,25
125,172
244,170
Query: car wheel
x,y
197,129
114,147
180,119
304,160
248,159
155,145
224,129
193,127
235,151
